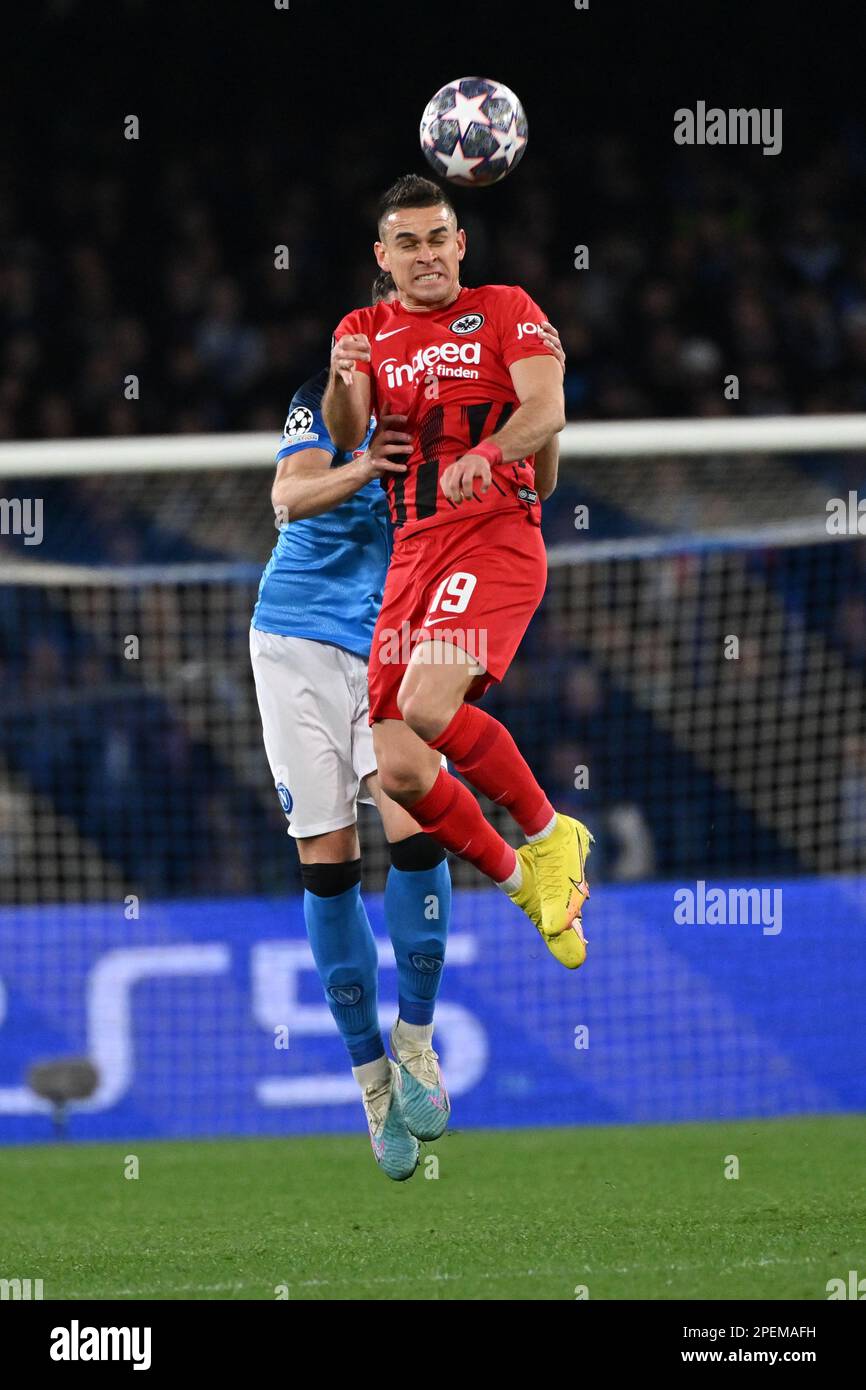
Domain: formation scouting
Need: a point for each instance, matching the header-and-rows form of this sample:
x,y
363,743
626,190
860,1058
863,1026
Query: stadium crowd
x,y
167,272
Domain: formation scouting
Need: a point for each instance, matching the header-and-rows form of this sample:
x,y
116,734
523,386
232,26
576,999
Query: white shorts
x,y
313,702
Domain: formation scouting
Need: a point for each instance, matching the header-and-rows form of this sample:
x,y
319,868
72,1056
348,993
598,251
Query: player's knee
x,y
416,854
330,880
421,714
401,781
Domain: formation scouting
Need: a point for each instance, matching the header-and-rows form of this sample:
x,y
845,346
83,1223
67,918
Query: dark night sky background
x,y
358,75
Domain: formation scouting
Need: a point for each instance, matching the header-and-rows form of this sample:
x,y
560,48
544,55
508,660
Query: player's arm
x,y
306,484
547,468
541,413
547,457
346,402
539,416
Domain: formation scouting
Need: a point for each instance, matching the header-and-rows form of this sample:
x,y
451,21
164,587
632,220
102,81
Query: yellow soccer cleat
x,y
569,946
560,866
526,897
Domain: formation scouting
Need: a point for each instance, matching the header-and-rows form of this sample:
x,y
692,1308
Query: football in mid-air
x,y
474,131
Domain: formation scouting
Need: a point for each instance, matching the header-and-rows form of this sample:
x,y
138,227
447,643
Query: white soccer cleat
x,y
426,1106
394,1147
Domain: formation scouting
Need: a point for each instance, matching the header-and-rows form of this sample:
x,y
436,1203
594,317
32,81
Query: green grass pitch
x,y
629,1212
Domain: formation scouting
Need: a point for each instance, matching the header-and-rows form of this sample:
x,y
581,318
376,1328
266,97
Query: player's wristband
x,y
489,451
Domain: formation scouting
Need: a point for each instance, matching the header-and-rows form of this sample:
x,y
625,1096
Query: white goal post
x,y
771,434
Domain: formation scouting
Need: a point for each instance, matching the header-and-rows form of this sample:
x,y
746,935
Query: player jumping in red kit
x,y
463,383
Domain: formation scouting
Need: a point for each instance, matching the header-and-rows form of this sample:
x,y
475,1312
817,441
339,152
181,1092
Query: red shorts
x,y
475,584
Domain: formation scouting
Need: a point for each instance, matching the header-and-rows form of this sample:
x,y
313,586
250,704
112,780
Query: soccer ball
x,y
474,131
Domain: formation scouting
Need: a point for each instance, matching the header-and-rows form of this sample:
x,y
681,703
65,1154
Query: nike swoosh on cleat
x,y
579,846
581,887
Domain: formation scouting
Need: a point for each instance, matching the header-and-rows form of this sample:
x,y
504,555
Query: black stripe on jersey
x,y
427,476
398,498
487,409
476,417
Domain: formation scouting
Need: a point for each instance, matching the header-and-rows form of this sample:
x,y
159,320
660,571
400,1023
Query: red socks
x,y
484,751
450,813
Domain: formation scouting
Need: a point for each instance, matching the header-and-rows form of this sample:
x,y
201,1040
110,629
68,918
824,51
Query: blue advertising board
x,y
207,1018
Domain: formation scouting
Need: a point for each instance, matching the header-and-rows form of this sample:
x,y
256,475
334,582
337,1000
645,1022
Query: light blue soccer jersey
x,y
325,578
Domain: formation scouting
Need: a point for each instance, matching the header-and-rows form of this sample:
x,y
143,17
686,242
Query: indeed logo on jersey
x,y
443,359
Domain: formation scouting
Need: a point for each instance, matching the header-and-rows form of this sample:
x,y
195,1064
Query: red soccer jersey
x,y
447,370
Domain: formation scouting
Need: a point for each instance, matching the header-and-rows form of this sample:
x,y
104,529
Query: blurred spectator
x,y
759,273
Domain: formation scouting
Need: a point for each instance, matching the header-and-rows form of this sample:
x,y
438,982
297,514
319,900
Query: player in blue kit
x,y
310,637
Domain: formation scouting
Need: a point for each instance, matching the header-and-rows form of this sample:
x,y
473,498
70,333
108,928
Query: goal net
x,y
693,684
